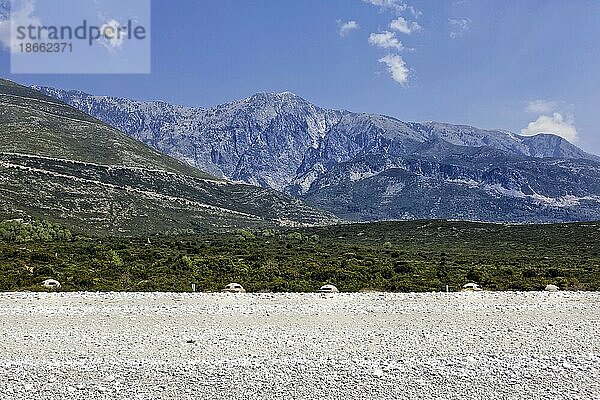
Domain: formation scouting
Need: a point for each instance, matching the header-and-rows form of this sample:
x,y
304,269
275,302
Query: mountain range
x,y
62,165
363,166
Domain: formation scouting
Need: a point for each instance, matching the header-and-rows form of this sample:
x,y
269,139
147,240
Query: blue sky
x,y
517,65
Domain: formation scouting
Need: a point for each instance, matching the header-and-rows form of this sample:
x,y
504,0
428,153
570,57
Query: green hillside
x,y
59,164
40,125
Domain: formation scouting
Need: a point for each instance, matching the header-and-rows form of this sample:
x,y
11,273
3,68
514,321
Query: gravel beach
x,y
482,345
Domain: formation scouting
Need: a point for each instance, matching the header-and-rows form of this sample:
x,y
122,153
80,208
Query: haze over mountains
x,y
59,164
363,166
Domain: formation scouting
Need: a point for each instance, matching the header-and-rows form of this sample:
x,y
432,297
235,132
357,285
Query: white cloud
x,y
459,26
402,25
542,106
396,67
385,40
395,6
556,124
20,15
346,27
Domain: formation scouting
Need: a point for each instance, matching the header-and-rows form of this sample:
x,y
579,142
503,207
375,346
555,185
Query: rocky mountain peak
x,y
282,141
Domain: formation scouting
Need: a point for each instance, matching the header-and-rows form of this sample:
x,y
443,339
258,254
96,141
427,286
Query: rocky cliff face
x,y
364,166
62,165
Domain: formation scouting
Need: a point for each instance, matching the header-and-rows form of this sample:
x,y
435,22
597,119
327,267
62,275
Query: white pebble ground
x,y
300,346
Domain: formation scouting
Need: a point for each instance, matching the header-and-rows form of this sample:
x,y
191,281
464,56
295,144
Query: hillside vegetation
x,y
391,256
61,165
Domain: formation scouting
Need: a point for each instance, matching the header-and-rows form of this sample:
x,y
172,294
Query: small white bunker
x,y
52,284
328,289
471,287
234,288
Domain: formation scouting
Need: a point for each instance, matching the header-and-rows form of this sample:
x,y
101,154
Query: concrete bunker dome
x,y
234,288
52,284
328,289
471,287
